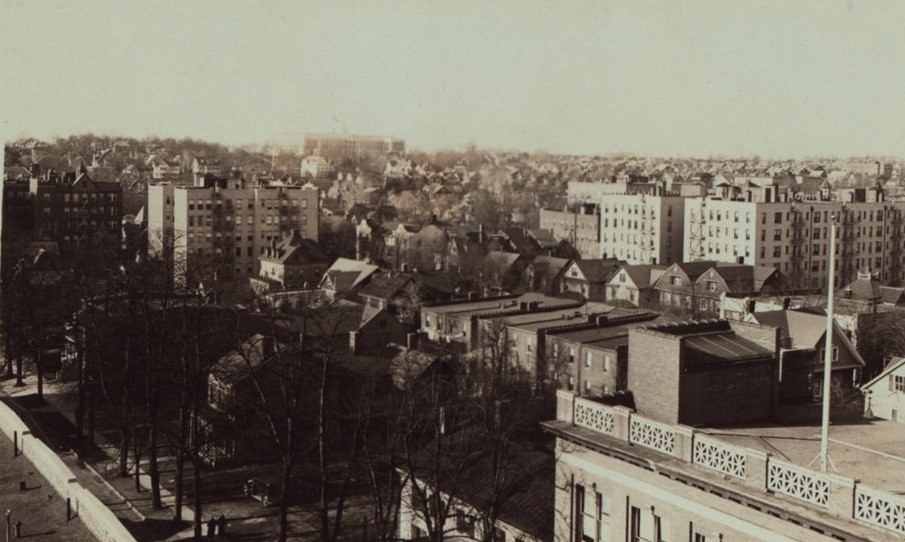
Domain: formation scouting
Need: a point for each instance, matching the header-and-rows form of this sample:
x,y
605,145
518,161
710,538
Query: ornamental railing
x,y
838,495
654,435
719,456
803,484
594,416
880,508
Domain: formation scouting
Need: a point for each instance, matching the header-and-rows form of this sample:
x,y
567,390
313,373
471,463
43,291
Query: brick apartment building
x,y
224,225
67,208
762,228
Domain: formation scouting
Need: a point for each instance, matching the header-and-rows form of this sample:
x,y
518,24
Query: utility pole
x,y
825,460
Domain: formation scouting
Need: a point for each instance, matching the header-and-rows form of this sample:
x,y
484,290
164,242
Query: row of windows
x,y
593,513
249,220
269,204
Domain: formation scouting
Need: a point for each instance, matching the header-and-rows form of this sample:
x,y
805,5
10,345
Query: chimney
x,y
786,303
481,233
353,342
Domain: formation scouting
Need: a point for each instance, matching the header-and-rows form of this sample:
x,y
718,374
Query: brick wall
x,y
727,395
653,373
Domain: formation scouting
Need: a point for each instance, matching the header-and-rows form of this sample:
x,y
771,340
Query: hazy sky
x,y
787,78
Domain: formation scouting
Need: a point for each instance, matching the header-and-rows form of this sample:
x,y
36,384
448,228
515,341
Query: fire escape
x,y
224,235
798,258
846,250
285,212
647,245
697,235
895,247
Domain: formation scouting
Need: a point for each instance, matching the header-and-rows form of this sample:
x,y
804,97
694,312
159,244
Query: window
x,y
897,383
593,509
587,359
587,386
571,354
777,218
676,280
835,353
647,527
606,363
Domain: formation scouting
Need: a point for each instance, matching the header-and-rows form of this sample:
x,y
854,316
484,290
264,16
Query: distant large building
x,y
759,228
225,225
352,146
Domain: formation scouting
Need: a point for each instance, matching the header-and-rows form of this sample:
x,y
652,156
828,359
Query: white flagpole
x,y
828,356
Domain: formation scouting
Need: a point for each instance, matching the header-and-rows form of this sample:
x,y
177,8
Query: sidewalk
x,y
91,466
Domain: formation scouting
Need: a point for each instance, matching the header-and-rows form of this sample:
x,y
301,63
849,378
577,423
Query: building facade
x,y
793,236
642,228
224,225
580,227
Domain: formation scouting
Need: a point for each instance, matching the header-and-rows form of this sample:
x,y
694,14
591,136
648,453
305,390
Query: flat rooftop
x,y
606,332
872,451
488,305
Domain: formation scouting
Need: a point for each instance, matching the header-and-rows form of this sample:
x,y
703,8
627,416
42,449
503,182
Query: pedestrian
x,y
211,527
221,525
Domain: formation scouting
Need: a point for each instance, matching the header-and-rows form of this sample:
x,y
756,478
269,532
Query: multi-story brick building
x,y
642,228
224,225
69,209
762,229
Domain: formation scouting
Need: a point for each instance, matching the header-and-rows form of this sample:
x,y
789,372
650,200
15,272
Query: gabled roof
x,y
643,275
386,285
890,367
236,364
346,274
805,329
296,250
598,270
741,278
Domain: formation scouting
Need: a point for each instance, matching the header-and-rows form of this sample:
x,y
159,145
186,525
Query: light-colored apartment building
x,y
642,228
793,236
580,226
226,225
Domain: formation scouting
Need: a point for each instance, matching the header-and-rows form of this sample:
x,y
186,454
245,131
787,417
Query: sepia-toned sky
x,y
780,79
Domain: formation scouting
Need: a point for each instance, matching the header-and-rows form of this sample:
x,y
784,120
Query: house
x,y
294,263
544,274
884,396
870,291
591,358
315,166
589,278
735,280
345,277
677,286
501,271
230,426
633,284
803,338
522,502
202,166
396,293
522,334
457,321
